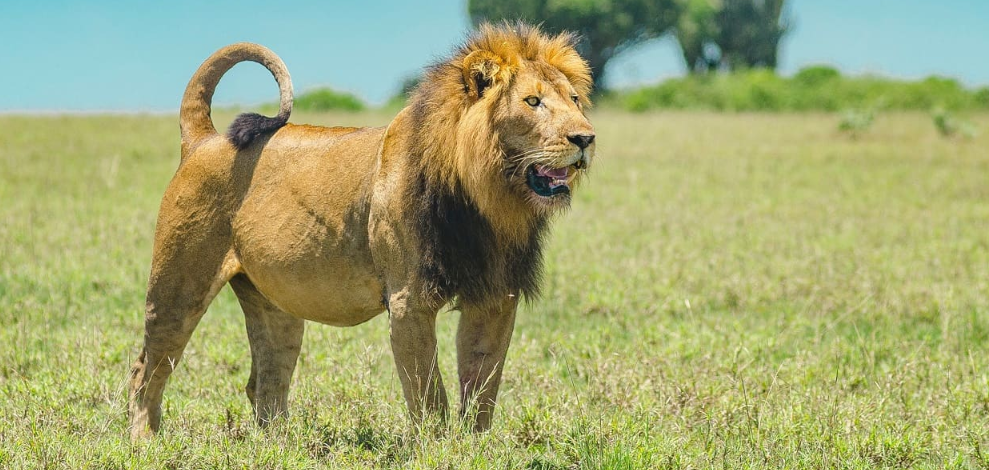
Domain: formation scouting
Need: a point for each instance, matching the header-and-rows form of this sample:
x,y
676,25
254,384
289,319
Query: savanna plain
x,y
727,291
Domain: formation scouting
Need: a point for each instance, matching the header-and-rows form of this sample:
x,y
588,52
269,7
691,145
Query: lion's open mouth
x,y
546,181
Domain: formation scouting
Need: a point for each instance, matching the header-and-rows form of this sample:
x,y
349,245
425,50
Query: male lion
x,y
448,203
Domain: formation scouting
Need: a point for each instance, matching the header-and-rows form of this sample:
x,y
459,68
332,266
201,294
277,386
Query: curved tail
x,y
194,116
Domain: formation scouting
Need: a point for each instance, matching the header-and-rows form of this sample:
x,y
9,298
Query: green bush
x,y
816,75
949,125
982,97
814,88
854,122
325,99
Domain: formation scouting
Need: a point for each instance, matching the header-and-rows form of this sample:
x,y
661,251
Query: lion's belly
x,y
301,232
334,296
308,269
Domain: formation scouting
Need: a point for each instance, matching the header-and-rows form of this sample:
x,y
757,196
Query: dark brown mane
x,y
460,254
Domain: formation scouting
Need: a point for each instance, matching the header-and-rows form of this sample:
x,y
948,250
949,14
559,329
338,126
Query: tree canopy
x,y
713,34
606,27
731,34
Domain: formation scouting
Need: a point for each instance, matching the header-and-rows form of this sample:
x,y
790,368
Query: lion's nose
x,y
581,140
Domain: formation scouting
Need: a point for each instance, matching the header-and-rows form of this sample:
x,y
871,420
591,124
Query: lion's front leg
x,y
483,336
413,343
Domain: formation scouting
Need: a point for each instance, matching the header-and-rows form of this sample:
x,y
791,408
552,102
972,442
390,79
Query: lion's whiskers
x,y
528,161
524,159
524,153
542,156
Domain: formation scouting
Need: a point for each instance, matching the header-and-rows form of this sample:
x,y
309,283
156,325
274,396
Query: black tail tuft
x,y
249,126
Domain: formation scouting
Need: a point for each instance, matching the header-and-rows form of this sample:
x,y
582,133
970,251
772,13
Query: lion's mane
x,y
478,239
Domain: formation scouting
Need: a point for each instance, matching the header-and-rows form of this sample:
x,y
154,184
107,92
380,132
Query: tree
x,y
606,27
695,30
731,34
750,32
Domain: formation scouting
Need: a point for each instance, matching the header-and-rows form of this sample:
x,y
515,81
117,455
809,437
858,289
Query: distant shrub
x,y
856,121
752,90
814,88
981,97
816,75
949,125
325,99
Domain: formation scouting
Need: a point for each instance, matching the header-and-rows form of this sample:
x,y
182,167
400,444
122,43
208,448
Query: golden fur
x,y
335,225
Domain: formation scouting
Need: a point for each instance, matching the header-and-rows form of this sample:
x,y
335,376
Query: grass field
x,y
729,290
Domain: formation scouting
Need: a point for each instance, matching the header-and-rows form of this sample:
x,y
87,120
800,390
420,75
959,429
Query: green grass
x,y
730,291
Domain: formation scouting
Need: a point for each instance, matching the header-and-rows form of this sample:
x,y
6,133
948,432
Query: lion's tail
x,y
194,116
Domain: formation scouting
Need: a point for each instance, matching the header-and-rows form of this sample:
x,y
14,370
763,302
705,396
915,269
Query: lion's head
x,y
504,119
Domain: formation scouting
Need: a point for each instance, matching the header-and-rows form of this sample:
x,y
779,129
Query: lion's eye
x,y
532,101
575,98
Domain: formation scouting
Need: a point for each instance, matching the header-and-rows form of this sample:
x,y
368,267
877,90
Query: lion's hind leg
x,y
276,340
183,282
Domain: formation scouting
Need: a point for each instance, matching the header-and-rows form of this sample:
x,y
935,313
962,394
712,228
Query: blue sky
x,y
65,55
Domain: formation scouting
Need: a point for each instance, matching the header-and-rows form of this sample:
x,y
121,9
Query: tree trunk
x,y
691,53
597,59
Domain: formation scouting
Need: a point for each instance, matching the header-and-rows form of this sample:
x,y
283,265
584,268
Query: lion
x,y
447,205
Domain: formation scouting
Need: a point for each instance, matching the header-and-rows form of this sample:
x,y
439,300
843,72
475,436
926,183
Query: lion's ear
x,y
480,69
